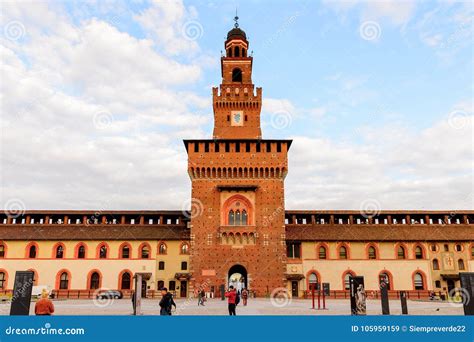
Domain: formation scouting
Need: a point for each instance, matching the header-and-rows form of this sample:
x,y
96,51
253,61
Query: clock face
x,y
237,118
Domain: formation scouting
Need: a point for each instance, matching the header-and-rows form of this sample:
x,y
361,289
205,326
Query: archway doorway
x,y
237,277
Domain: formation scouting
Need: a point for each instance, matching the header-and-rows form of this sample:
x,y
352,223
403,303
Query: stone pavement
x,y
259,306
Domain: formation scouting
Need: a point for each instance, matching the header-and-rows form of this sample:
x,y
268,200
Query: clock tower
x,y
238,214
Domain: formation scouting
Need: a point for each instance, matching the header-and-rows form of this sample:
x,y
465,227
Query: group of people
x,y
233,298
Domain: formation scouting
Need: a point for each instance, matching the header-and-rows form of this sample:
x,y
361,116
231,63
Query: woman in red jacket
x,y
231,295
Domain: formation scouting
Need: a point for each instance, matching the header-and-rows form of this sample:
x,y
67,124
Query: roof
x,y
236,33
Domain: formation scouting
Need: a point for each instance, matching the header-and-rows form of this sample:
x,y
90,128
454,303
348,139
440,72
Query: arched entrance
x,y
237,277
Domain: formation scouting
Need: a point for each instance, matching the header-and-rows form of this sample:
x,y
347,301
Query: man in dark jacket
x,y
166,302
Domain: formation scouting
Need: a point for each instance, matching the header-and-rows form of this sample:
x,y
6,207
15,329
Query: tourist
x,y
203,297
245,295
44,306
166,302
231,295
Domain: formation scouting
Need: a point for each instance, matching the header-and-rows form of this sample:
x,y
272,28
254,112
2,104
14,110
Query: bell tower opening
x,y
237,75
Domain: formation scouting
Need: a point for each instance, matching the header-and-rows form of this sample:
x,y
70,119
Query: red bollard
x,y
324,301
312,293
319,300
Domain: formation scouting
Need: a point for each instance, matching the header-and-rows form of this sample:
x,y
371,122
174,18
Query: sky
x,y
97,96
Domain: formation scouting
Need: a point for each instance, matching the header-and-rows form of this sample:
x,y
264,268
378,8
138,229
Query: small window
x,y
160,284
446,247
293,250
228,118
81,252
433,248
347,284
312,281
461,266
244,218
418,282
196,147
126,281
435,264
125,252
103,252
59,252
236,75
32,252
184,248
94,281
246,118
145,252
172,285
64,281
342,252
161,265
2,251
384,279
322,252
418,252
438,284
162,249
184,266
3,280
401,252
458,248
372,252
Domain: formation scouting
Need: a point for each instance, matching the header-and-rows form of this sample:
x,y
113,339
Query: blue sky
x,y
377,96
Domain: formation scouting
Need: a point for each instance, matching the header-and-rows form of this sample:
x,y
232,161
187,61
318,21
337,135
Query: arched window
x,y
236,75
125,252
435,264
236,51
145,252
418,252
162,248
244,54
418,281
322,252
372,252
64,281
103,252
342,252
384,278
312,281
81,252
2,251
347,283
461,265
126,281
244,217
231,218
3,280
229,52
32,252
401,253
59,252
237,218
94,282
184,248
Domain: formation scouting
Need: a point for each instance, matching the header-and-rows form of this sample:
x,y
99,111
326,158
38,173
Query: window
x,y
59,252
446,247
418,252
461,264
244,217
435,264
3,280
312,280
172,285
237,210
81,252
372,252
126,281
161,284
125,252
103,252
94,281
342,252
401,252
231,218
184,248
418,282
2,251
162,248
293,250
458,248
384,278
472,252
322,252
145,252
347,284
434,248
32,252
161,265
184,266
438,284
64,281
236,75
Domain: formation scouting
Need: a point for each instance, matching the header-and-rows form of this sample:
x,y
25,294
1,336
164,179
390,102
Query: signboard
x,y
384,298
326,289
358,297
467,292
21,299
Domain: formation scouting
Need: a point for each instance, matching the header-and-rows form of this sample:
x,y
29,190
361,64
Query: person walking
x,y
203,297
166,302
245,295
44,306
231,295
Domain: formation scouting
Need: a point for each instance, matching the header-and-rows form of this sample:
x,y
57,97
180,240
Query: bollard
x,y
403,301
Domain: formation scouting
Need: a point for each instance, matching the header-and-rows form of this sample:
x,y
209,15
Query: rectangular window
x,y
206,147
237,147
293,250
227,147
247,147
184,266
161,265
269,147
216,147
279,147
196,147
172,285
228,117
258,147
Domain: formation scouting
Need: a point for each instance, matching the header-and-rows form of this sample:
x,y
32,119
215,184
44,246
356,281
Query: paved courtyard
x,y
259,306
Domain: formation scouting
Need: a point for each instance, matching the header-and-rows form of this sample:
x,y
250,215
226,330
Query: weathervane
x,y
236,19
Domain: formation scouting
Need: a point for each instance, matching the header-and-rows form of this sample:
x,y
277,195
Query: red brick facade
x,y
238,185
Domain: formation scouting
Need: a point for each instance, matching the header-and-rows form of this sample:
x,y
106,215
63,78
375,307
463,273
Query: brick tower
x,y
237,216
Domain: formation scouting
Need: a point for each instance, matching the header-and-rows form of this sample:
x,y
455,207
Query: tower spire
x,y
236,19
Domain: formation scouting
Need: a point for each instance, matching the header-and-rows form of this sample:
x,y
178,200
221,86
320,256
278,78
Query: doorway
x,y
237,277
143,288
183,290
451,286
294,288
